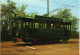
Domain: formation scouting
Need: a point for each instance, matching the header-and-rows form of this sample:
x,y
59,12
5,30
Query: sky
x,y
40,6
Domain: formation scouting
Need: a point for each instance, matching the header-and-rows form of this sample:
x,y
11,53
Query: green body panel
x,y
22,33
46,34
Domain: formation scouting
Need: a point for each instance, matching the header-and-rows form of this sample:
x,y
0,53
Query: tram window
x,y
33,25
54,26
51,26
16,24
69,27
30,25
48,25
41,26
36,25
66,26
23,25
62,27
26,23
44,26
19,24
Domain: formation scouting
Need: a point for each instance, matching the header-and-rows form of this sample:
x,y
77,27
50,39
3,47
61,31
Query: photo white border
x,y
79,27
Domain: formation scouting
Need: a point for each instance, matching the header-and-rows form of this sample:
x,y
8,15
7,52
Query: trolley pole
x,y
48,7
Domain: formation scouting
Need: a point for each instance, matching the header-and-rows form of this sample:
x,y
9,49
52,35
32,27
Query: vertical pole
x,y
48,7
21,24
39,25
34,25
60,26
53,25
70,29
25,24
64,26
31,24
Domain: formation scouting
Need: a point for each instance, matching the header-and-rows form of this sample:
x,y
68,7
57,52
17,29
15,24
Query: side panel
x,y
46,34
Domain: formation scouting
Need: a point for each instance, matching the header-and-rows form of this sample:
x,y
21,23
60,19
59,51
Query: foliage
x,y
64,14
52,15
7,9
8,12
31,15
75,23
20,11
67,16
75,34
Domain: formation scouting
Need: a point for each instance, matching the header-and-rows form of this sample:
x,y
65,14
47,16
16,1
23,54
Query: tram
x,y
40,29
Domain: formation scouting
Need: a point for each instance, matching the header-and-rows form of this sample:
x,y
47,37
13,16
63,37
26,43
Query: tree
x,y
20,11
31,15
8,9
6,15
52,15
8,12
75,23
67,15
64,14
59,14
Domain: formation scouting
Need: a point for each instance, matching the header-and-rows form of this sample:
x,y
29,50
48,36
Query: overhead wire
x,y
51,2
35,6
63,4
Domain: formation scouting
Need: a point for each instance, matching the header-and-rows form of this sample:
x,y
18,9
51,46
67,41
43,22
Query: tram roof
x,y
41,19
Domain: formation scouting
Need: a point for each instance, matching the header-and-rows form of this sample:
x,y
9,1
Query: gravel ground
x,y
69,48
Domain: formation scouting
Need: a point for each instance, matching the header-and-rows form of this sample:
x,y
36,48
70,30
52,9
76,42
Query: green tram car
x,y
40,29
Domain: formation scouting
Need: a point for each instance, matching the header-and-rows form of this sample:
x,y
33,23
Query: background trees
x,y
8,12
66,15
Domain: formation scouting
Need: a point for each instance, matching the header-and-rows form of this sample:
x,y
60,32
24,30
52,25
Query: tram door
x,y
67,29
57,26
27,28
27,31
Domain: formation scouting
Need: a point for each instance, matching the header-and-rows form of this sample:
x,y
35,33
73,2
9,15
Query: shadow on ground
x,y
34,44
